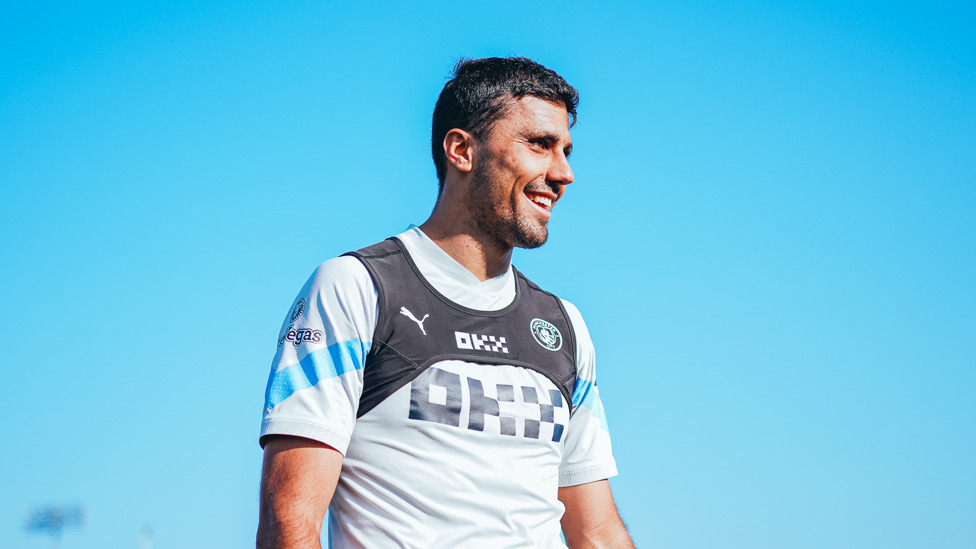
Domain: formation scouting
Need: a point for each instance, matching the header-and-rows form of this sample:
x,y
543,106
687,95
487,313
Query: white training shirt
x,y
420,484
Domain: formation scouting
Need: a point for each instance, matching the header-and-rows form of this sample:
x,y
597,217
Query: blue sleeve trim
x,y
586,394
332,361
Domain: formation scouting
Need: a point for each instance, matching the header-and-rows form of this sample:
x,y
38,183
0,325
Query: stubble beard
x,y
498,220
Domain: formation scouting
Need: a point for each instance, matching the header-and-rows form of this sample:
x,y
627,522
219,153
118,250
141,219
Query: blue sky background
x,y
772,236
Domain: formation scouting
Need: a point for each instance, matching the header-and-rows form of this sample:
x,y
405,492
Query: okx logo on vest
x,y
437,396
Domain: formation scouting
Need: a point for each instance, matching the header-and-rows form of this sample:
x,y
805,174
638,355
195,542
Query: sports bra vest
x,y
418,327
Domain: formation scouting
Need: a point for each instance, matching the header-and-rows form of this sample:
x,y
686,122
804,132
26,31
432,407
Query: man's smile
x,y
540,201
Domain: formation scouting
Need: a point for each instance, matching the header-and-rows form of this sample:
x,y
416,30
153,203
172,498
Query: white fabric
x,y
410,483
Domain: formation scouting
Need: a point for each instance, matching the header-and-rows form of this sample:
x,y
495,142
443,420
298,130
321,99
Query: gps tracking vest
x,y
418,327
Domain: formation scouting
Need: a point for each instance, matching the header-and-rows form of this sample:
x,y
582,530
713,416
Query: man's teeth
x,y
542,200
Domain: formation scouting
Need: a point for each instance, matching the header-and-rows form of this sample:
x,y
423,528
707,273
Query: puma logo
x,y
408,314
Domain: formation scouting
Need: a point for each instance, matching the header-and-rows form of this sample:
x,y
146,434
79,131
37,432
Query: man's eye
x,y
542,142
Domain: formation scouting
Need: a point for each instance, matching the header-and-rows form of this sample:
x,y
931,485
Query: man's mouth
x,y
540,200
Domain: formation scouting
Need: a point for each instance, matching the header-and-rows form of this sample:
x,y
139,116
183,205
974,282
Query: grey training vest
x,y
532,332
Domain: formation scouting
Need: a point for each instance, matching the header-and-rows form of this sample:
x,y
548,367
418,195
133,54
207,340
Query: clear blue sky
x,y
772,236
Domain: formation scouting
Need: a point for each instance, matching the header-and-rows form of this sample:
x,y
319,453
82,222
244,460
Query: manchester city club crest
x,y
546,334
299,309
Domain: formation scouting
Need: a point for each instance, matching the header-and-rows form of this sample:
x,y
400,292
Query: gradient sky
x,y
772,236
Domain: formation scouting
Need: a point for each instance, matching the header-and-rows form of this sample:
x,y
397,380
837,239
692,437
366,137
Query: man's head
x,y
483,90
501,144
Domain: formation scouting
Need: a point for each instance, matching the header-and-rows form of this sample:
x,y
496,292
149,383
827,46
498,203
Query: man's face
x,y
521,170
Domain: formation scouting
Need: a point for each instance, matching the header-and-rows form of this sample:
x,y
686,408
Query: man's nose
x,y
559,171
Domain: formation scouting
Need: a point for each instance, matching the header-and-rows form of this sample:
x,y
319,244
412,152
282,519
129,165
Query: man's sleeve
x,y
587,456
317,373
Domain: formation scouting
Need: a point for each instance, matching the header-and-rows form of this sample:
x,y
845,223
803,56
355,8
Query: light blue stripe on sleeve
x,y
333,361
586,394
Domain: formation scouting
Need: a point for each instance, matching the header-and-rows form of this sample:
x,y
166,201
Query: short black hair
x,y
480,92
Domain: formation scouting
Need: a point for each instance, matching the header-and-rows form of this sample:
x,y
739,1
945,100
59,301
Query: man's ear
x,y
459,149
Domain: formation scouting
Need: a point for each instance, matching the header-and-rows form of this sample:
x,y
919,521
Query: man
x,y
424,390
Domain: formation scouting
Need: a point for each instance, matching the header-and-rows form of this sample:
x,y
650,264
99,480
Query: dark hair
x,y
480,92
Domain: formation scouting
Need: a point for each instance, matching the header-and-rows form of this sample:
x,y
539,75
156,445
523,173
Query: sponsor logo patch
x,y
302,335
546,334
480,342
436,395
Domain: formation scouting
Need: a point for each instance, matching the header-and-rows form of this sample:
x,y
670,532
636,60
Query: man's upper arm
x,y
317,374
591,519
587,453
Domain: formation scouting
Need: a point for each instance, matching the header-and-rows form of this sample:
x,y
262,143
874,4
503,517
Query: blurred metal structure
x,y
53,519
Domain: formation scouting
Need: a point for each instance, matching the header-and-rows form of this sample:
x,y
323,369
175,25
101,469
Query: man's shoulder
x,y
584,345
576,319
571,309
380,249
339,272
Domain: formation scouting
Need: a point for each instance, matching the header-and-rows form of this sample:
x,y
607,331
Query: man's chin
x,y
531,239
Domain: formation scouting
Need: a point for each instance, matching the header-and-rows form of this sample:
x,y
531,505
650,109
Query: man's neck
x,y
462,241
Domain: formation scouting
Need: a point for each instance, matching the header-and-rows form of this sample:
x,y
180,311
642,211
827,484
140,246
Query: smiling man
x,y
424,390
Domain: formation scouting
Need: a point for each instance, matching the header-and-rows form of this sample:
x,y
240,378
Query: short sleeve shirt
x,y
409,483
